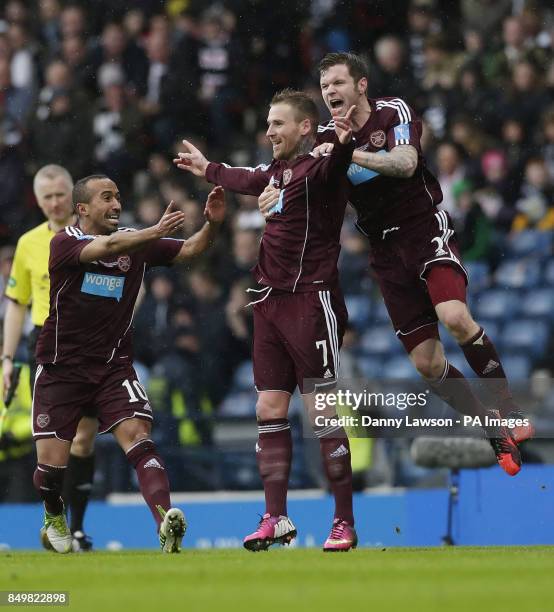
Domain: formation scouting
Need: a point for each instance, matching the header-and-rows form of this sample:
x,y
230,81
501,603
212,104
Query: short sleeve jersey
x,y
381,201
92,304
29,282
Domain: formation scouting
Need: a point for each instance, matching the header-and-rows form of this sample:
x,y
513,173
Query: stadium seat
x,y
359,307
517,367
239,404
399,367
549,273
529,242
496,305
243,379
518,274
479,275
380,340
526,336
379,312
370,367
538,303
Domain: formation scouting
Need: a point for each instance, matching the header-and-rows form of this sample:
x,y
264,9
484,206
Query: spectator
x,y
450,170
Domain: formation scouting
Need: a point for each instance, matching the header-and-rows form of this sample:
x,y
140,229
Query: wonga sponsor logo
x,y
103,285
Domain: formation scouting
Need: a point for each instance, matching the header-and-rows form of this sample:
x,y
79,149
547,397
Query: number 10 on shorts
x,y
134,389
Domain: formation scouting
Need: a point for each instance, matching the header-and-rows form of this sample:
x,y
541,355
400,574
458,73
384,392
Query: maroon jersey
x,y
300,245
91,304
384,202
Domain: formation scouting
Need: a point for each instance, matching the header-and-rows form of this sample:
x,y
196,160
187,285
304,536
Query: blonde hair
x,y
49,172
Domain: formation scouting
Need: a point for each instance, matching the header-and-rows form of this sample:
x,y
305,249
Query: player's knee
x,y
457,320
429,367
269,408
83,443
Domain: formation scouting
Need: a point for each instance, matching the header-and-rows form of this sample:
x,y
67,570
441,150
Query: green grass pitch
x,y
396,579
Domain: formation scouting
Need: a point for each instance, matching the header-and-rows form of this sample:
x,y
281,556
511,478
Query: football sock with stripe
x,y
483,358
48,481
335,454
274,456
453,388
151,475
77,488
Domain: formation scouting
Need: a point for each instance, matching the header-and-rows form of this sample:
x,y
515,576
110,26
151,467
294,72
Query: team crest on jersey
x,y
378,138
124,263
43,420
287,175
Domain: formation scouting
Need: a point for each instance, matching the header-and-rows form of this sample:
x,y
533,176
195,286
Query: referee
x,y
29,284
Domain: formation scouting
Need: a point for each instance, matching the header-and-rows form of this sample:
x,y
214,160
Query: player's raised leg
x,y
52,456
274,456
447,288
133,435
453,388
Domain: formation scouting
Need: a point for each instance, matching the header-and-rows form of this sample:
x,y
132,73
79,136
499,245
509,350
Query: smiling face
x,y
340,91
285,131
100,215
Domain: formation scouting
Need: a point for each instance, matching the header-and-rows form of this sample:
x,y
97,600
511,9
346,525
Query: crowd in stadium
x,y
114,87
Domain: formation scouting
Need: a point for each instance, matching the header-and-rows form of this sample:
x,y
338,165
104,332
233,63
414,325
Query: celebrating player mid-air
x,y
84,350
299,315
413,249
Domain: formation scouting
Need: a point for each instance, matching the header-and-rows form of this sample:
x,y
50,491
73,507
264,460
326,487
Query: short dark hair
x,y
81,193
303,105
356,65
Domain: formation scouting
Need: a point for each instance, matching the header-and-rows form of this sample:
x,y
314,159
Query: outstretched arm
x,y
249,181
127,242
199,242
401,162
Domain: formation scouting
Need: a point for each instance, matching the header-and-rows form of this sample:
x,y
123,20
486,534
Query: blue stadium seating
x,y
517,367
526,336
243,379
479,275
359,308
538,303
370,367
399,367
380,340
379,312
529,242
496,304
549,273
518,274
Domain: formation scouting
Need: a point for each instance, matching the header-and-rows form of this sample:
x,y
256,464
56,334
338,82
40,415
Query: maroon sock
x,y
453,388
335,453
152,476
274,455
48,481
481,355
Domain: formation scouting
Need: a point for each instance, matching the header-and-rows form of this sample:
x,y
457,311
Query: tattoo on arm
x,y
401,162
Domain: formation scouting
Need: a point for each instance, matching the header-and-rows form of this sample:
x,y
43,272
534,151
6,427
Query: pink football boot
x,y
271,530
342,537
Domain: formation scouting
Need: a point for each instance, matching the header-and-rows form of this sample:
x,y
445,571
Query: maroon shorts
x,y
401,260
297,337
63,394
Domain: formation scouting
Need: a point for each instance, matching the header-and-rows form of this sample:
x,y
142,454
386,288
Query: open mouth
x,y
113,218
335,103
